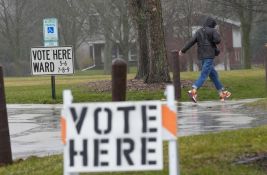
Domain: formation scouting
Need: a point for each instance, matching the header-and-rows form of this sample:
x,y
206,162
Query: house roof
x,y
222,19
230,21
97,39
100,39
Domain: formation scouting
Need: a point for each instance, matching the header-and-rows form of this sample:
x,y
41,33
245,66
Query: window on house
x,y
236,38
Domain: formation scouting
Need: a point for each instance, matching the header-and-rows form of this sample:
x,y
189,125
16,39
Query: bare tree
x,y
179,16
116,28
137,10
71,21
16,32
102,11
125,33
245,11
107,24
157,64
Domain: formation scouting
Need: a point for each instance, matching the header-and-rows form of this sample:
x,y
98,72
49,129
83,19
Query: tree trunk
x,y
246,19
137,12
74,43
125,35
107,56
143,51
246,46
158,63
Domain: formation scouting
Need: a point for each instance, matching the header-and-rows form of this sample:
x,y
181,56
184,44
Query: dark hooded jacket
x,y
206,38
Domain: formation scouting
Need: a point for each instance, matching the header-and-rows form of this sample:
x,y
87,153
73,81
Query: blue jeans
x,y
208,70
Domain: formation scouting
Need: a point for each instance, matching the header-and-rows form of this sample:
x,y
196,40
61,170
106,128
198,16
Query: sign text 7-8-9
x,y
52,60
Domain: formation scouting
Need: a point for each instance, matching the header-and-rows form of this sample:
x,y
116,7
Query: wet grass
x,y
37,89
210,154
242,83
260,104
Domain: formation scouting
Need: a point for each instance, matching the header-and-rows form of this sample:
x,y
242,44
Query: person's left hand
x,y
181,53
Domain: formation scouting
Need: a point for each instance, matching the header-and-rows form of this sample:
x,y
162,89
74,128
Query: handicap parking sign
x,y
50,29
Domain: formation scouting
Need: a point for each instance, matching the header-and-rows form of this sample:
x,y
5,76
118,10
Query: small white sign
x,y
50,29
50,43
115,136
52,60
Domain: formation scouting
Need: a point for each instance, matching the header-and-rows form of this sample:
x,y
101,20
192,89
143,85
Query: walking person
x,y
206,38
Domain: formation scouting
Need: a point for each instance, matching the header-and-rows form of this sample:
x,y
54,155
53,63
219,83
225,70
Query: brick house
x,y
93,50
230,56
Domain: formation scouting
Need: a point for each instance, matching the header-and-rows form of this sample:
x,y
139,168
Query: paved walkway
x,y
214,116
35,129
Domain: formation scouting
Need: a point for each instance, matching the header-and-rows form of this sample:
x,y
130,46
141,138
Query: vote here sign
x,y
52,60
117,136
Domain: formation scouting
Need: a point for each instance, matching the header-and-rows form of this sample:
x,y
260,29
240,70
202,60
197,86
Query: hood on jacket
x,y
210,22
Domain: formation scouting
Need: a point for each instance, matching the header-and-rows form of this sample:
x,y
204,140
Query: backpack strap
x,y
206,40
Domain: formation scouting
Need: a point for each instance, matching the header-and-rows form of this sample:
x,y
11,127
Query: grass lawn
x,y
260,104
37,89
210,154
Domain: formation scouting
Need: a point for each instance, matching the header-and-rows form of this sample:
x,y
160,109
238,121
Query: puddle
x,y
212,116
35,129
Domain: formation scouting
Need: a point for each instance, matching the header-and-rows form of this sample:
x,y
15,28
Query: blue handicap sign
x,y
50,29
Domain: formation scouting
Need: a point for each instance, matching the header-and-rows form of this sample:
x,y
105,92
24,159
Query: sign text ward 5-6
x,y
52,60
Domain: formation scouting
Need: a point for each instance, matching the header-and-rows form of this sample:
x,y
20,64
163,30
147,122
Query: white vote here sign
x,y
52,60
115,136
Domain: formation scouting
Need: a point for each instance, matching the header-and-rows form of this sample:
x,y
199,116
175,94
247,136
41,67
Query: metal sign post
x,y
52,61
174,168
50,31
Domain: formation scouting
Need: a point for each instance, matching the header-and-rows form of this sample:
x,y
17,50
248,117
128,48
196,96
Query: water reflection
x,y
34,130
216,116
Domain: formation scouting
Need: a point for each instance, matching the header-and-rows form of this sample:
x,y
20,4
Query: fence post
x,y
119,77
176,74
5,146
53,86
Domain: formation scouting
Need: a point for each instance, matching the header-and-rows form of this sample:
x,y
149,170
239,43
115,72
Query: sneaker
x,y
224,95
193,95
